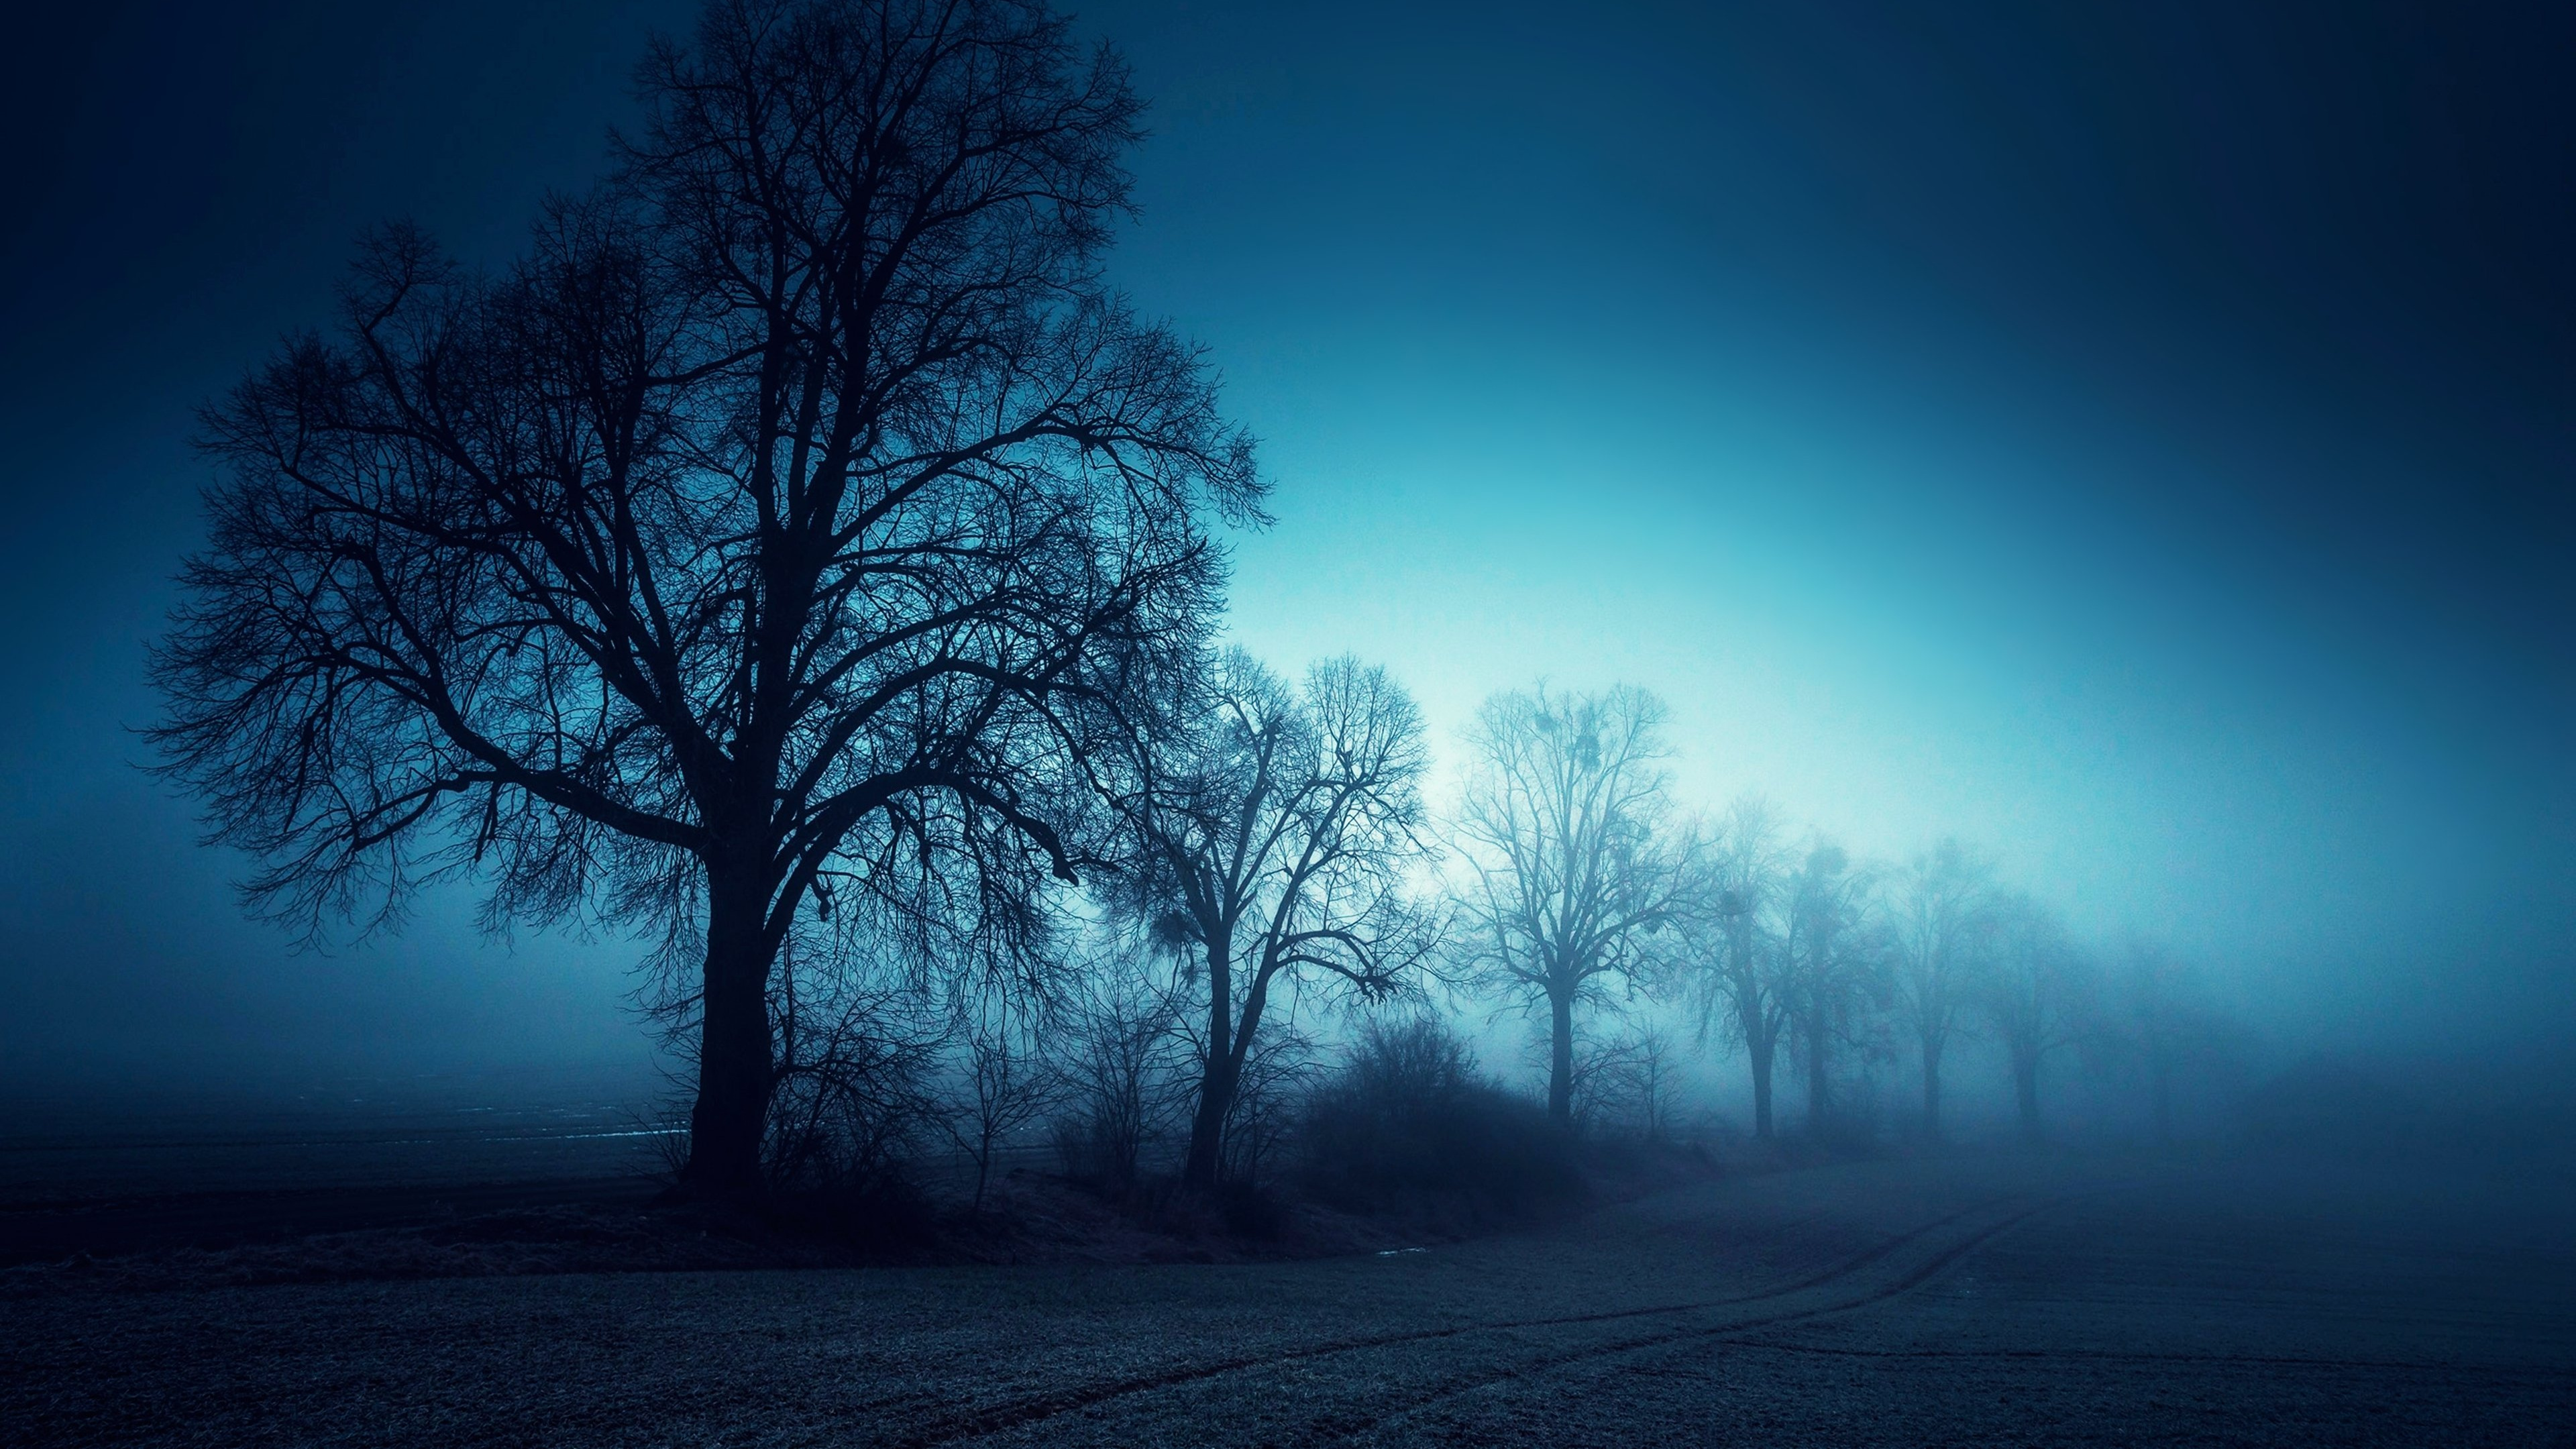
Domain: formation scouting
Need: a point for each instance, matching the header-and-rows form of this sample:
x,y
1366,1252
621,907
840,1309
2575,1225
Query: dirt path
x,y
1976,1300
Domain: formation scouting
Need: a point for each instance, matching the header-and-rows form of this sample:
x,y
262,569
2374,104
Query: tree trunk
x,y
1819,1104
735,1071
2026,1093
1931,1089
1207,1127
1759,1049
1560,1057
1217,1075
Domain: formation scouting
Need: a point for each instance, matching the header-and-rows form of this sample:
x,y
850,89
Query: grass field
x,y
1976,1299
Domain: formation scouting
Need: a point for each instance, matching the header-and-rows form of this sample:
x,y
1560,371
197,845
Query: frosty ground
x,y
1970,1298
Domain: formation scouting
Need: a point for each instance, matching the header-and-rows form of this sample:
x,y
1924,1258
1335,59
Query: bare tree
x,y
853,1096
1597,1094
1939,922
1639,1077
2168,1021
1831,971
755,546
1574,868
1739,992
1275,1081
2036,989
1275,830
1122,1032
1008,1083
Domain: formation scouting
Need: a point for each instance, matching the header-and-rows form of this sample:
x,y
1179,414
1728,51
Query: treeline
x,y
1588,885
1257,982
1585,886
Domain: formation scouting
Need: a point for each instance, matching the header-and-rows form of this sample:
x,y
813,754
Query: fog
x,y
2150,476
1624,724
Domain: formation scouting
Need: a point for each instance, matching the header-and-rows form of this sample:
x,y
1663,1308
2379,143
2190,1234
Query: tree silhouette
x,y
1830,970
1739,990
1274,831
2165,1017
757,545
1006,1083
1573,868
1938,927
2038,990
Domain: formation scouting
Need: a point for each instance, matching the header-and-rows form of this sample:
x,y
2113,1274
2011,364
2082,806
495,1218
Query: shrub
x,y
1119,1040
1408,1122
853,1100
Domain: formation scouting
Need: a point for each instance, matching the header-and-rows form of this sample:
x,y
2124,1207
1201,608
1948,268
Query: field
x,y
1972,1299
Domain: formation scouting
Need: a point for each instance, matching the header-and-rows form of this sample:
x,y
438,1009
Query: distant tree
x,y
1832,971
2168,1023
1639,1078
1119,1031
1939,921
1599,1094
1574,868
1275,831
1738,990
759,544
2038,990
1007,1083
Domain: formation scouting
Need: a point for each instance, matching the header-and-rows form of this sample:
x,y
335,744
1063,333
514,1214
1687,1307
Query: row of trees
x,y
802,558
1280,863
1584,889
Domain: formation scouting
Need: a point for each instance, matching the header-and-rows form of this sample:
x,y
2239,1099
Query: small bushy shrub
x,y
1408,1122
853,1100
1116,1074
1278,1078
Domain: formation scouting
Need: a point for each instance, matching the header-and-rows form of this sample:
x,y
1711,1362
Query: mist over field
x,y
1619,724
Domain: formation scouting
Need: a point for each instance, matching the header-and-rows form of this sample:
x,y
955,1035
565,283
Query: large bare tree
x,y
1574,867
1739,990
756,546
1939,921
1275,831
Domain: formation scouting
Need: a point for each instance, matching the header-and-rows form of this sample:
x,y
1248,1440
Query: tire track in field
x,y
1041,1407
2116,1355
1921,1274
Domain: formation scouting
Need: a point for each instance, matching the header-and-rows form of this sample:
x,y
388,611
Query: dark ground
x,y
1974,1299
128,1178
